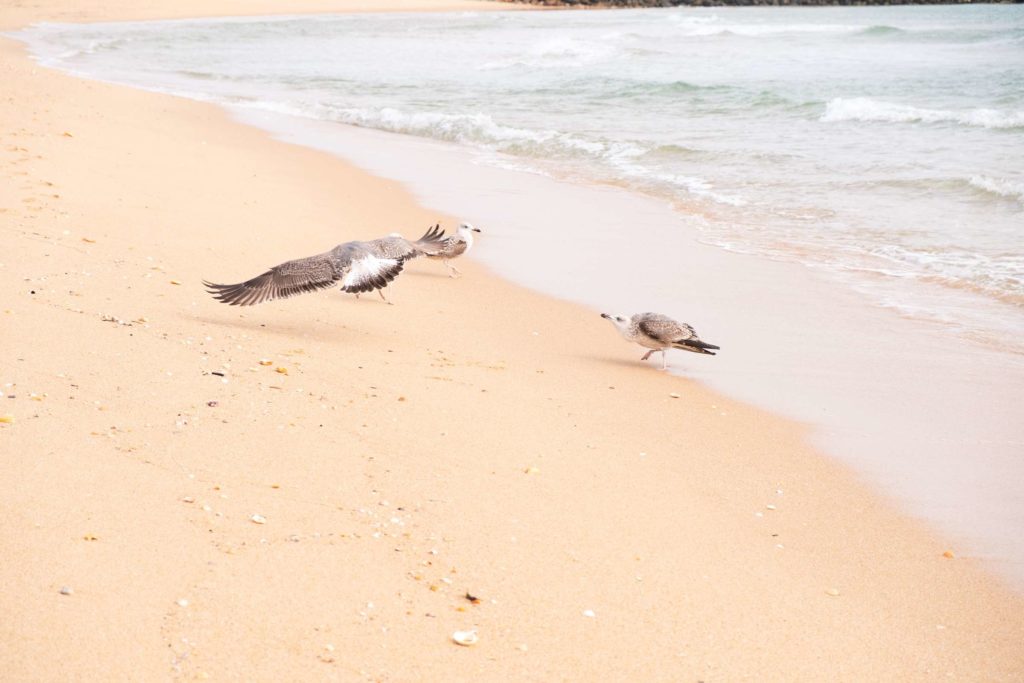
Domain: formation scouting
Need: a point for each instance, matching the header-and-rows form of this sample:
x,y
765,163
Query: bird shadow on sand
x,y
653,365
312,331
364,298
427,274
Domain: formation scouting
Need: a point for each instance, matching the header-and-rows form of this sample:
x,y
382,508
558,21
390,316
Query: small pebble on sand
x,y
258,519
66,590
834,592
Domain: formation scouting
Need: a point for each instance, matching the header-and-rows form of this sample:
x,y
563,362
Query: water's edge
x,y
888,395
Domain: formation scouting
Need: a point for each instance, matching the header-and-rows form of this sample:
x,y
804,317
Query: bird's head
x,y
617,320
467,227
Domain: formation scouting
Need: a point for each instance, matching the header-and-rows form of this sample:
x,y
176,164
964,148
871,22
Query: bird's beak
x,y
476,229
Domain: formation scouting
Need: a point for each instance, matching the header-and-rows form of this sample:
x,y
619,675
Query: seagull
x,y
354,265
658,332
456,245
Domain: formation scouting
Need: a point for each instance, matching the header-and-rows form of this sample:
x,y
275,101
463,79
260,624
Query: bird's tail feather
x,y
696,346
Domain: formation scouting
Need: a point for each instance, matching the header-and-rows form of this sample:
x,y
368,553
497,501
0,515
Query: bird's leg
x,y
664,363
381,292
452,270
647,355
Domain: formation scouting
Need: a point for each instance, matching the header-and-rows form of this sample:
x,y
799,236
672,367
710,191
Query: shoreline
x,y
911,456
593,506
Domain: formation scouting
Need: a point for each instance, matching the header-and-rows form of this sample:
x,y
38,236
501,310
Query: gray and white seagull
x,y
455,245
658,332
354,266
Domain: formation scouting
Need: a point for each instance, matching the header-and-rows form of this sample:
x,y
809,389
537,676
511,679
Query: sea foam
x,y
996,186
867,109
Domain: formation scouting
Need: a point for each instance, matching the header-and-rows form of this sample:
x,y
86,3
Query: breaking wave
x,y
1002,188
867,109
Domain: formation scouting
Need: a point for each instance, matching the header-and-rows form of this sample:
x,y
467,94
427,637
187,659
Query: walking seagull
x,y
658,332
355,266
456,245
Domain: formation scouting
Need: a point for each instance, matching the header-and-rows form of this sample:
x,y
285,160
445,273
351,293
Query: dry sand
x,y
475,437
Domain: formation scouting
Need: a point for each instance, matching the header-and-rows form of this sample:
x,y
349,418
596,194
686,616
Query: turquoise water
x,y
883,145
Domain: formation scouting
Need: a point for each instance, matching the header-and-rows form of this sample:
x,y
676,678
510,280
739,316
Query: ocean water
x,y
833,195
883,145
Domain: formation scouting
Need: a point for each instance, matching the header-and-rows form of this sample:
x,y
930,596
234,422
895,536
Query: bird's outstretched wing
x,y
431,241
396,246
353,265
280,282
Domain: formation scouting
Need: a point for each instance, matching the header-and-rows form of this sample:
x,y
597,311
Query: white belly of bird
x,y
647,342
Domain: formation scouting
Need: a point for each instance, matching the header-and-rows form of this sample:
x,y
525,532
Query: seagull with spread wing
x,y
354,266
658,332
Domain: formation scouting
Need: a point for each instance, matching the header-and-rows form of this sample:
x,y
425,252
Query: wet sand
x,y
473,438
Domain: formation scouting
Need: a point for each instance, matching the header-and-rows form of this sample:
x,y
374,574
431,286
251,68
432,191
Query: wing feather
x,y
664,329
397,247
365,271
431,242
280,282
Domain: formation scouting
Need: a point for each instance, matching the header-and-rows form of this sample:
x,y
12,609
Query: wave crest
x,y
867,109
1002,188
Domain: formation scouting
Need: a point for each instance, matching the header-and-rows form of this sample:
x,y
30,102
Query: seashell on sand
x,y
465,638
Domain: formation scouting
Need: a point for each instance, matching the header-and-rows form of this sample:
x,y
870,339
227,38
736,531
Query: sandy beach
x,y
312,489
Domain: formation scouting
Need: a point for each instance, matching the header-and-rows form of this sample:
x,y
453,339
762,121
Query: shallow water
x,y
833,195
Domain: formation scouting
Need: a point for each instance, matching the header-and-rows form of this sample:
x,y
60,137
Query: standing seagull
x,y
658,332
456,245
394,246
353,265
